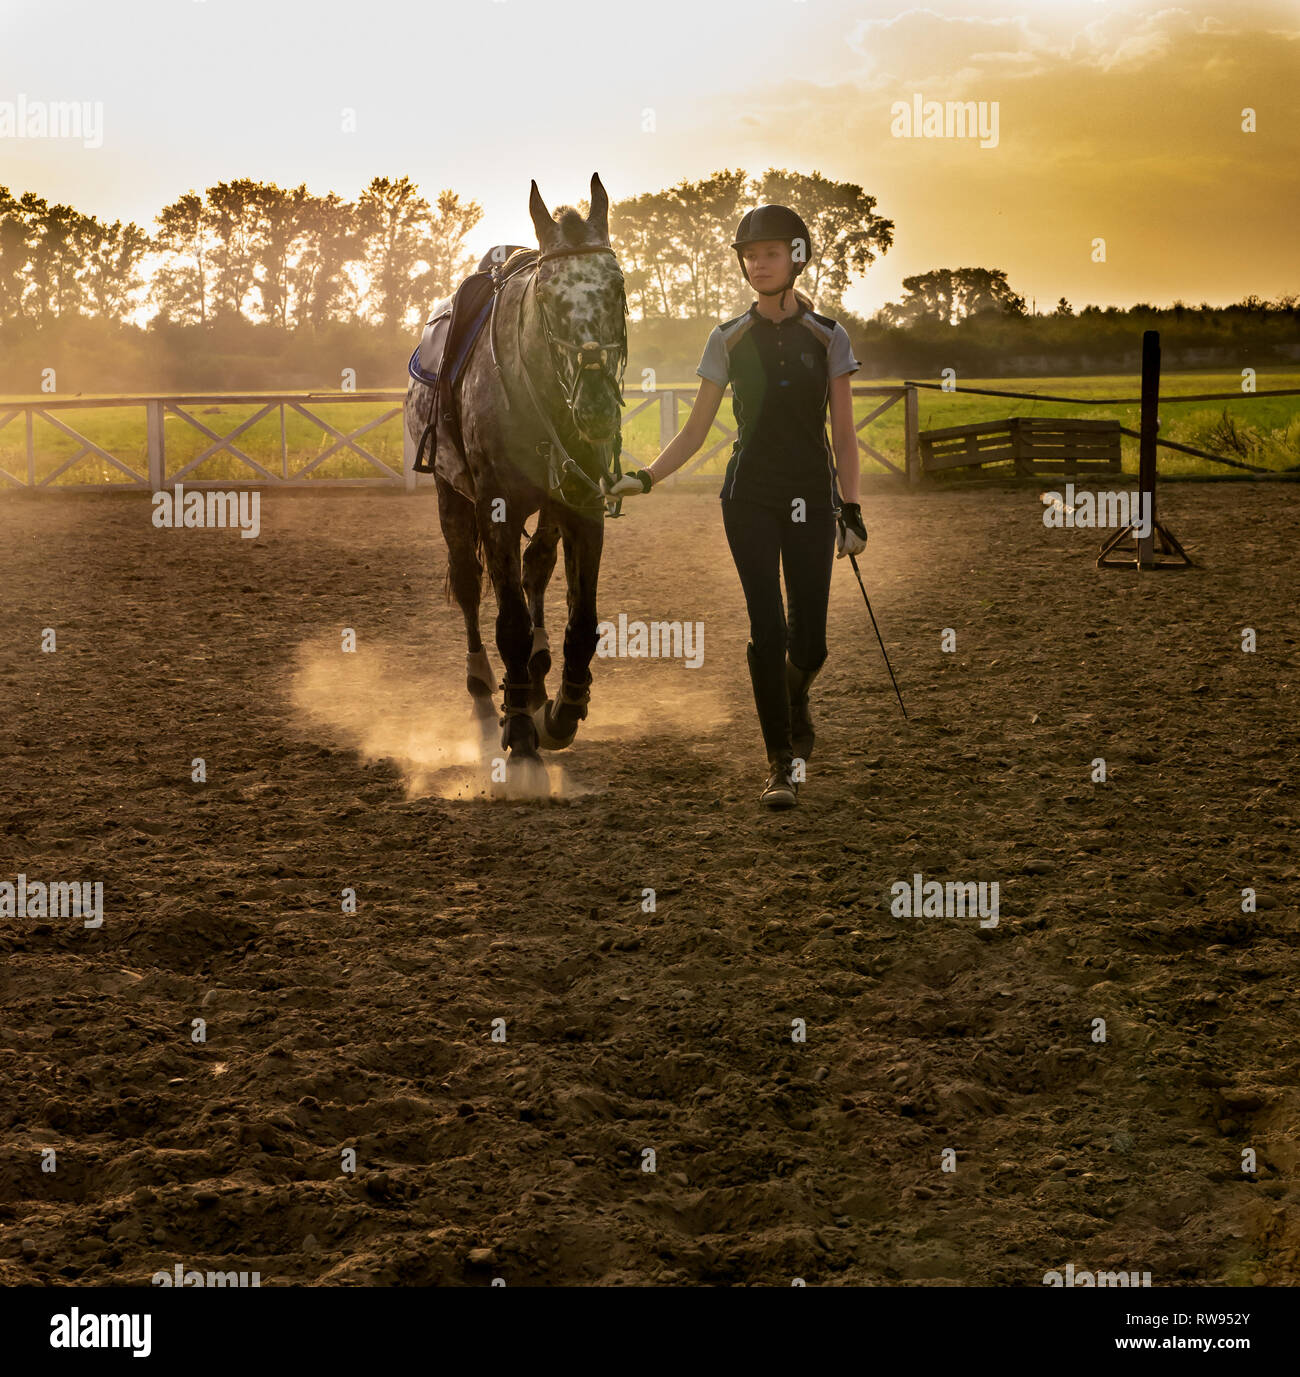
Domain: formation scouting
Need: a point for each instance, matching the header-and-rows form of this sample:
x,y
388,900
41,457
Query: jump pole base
x,y
1144,553
1146,550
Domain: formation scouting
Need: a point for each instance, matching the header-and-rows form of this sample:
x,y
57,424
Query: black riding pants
x,y
765,542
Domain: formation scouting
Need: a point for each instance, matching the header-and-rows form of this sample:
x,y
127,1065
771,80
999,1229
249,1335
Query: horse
x,y
540,398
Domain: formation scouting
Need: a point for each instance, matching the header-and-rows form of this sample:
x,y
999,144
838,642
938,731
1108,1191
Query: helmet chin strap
x,y
789,286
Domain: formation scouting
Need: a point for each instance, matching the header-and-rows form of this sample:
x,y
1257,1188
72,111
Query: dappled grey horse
x,y
540,425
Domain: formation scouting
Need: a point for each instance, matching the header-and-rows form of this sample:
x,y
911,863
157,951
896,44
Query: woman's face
x,y
768,263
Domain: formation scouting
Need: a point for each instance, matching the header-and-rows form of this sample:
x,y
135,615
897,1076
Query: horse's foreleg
x,y
558,721
539,565
514,628
465,583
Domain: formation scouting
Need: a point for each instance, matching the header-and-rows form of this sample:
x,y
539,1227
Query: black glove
x,y
634,481
851,532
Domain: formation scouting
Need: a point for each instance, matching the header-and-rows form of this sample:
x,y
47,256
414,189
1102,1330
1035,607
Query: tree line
x,y
253,251
243,250
949,296
250,253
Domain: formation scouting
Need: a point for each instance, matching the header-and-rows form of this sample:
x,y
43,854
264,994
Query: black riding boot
x,y
773,706
797,683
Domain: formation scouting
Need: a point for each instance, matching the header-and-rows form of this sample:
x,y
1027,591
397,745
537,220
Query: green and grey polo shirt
x,y
780,374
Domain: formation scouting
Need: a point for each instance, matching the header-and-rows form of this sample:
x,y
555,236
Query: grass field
x,y
1260,431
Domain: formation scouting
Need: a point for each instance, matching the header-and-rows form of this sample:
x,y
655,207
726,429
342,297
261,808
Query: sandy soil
x,y
626,1030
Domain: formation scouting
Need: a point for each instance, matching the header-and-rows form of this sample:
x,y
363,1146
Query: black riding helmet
x,y
774,222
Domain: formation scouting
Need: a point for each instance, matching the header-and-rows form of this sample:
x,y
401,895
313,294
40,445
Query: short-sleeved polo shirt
x,y
780,374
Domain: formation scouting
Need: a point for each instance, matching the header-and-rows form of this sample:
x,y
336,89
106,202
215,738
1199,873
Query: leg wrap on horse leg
x,y
517,730
478,680
557,719
478,673
539,666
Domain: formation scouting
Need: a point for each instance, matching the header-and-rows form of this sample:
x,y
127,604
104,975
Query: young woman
x,y
781,508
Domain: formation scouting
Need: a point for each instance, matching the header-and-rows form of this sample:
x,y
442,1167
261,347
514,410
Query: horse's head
x,y
580,292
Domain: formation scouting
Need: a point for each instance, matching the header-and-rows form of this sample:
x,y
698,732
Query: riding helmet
x,y
773,222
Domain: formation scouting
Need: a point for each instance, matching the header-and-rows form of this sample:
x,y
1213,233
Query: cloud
x,y
1119,125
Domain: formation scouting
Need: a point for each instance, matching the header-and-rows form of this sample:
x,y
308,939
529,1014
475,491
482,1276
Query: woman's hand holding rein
x,y
632,484
678,451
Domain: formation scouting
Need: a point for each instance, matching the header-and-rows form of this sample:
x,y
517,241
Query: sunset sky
x,y
1115,121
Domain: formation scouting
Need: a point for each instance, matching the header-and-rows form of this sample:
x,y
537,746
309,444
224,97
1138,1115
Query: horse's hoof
x,y
551,732
527,777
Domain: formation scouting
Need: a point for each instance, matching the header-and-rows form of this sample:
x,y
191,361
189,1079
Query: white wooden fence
x,y
296,465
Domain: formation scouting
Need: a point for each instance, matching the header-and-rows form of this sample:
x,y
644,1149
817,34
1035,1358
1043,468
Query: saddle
x,y
440,357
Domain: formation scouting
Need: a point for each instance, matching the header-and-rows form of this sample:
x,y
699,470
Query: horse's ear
x,y
598,216
542,221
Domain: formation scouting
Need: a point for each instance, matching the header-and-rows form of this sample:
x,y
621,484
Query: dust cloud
x,y
370,702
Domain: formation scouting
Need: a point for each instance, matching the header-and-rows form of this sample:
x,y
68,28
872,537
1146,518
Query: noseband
x,y
608,360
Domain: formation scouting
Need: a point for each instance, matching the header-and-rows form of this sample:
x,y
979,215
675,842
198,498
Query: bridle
x,y
608,359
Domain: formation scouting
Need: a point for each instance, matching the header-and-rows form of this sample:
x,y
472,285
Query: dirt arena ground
x,y
629,1031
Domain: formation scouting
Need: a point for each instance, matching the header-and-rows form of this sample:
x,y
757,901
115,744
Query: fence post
x,y
31,452
408,456
911,429
155,445
667,422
